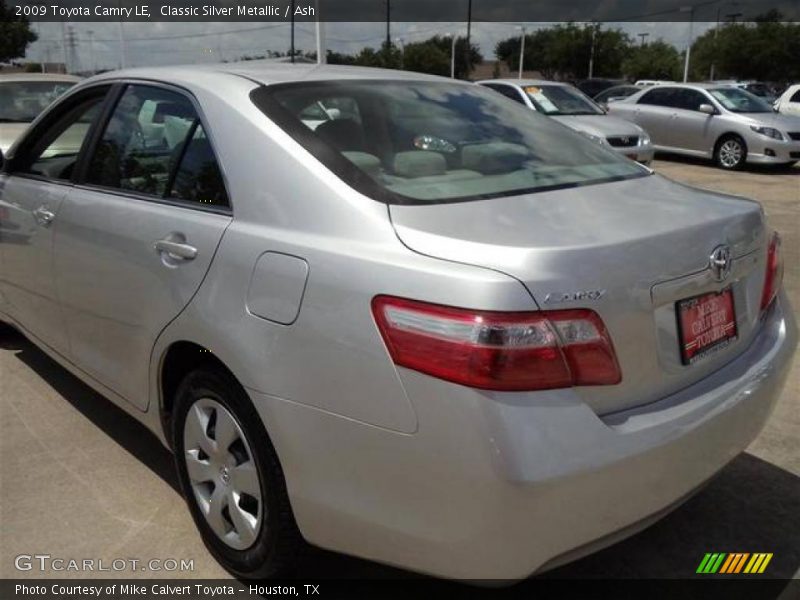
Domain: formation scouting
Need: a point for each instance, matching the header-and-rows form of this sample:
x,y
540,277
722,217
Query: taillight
x,y
498,350
774,276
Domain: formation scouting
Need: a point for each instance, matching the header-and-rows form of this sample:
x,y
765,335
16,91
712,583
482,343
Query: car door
x,y
653,111
137,233
37,179
690,129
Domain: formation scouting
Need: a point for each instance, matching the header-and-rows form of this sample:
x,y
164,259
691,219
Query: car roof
x,y
39,77
267,72
523,82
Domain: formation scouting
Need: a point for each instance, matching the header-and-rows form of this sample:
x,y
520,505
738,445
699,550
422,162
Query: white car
x,y
789,101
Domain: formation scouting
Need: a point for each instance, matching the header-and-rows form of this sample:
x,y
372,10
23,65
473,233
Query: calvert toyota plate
x,y
705,324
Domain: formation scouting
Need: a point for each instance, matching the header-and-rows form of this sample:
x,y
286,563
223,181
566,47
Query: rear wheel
x,y
231,477
730,153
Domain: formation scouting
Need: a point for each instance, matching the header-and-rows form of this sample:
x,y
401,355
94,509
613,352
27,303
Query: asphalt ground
x,y
81,479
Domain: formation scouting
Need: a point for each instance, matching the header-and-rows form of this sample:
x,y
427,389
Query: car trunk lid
x,y
628,250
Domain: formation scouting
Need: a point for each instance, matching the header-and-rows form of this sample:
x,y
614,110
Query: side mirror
x,y
707,109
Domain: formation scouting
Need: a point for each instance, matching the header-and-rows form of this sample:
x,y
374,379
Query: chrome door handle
x,y
43,216
176,249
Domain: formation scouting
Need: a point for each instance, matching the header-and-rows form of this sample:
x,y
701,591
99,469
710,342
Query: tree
x,y
564,51
433,56
15,34
656,60
765,50
430,56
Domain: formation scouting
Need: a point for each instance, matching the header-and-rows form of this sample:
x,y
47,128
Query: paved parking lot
x,y
80,479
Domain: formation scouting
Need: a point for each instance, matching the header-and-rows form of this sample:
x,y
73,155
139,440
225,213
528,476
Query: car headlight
x,y
767,131
644,139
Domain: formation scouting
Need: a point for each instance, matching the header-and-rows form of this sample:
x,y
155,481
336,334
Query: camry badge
x,y
721,262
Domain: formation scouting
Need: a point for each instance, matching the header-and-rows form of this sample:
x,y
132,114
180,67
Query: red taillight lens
x,y
774,276
498,350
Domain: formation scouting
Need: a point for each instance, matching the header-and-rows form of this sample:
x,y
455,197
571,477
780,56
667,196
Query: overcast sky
x,y
162,43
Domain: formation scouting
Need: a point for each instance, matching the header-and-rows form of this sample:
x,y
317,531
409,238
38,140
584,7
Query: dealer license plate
x,y
706,324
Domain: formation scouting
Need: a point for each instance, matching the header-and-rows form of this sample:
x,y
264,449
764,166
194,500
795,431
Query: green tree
x,y
765,50
15,34
656,60
433,56
564,51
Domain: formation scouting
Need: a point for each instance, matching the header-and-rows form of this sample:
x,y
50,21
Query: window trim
x,y
121,85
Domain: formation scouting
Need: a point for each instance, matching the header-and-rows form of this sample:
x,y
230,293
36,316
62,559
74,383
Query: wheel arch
x,y
178,360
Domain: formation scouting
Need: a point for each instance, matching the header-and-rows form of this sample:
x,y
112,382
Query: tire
x,y
730,153
250,529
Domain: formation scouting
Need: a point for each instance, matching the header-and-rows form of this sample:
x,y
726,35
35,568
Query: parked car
x,y
592,87
22,97
789,102
652,82
762,90
618,92
444,333
569,106
725,123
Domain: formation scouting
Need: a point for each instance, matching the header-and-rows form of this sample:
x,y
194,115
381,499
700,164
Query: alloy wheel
x,y
730,153
223,473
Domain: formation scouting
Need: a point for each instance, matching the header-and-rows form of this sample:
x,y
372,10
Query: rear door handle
x,y
176,250
44,216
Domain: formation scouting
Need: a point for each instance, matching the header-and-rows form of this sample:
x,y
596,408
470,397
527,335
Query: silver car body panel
x,y
694,133
381,461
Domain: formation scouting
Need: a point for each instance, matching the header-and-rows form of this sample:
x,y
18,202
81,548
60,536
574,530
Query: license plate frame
x,y
697,322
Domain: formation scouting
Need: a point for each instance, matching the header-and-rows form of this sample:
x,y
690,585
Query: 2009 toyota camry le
x,y
389,314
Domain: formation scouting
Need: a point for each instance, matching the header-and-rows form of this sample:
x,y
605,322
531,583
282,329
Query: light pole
x,y
90,33
521,53
402,43
716,34
591,51
452,55
688,55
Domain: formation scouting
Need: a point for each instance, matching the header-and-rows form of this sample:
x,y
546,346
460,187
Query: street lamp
x,y
716,34
521,52
452,54
687,57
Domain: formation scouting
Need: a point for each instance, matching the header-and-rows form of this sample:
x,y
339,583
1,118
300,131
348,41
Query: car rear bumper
x,y
498,486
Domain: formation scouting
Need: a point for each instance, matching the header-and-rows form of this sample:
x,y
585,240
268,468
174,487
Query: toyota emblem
x,y
721,262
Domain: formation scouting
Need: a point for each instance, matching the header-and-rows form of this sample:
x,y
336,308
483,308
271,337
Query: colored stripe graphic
x,y
734,562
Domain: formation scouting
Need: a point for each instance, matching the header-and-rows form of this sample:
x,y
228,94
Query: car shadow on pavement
x,y
751,506
113,421
748,168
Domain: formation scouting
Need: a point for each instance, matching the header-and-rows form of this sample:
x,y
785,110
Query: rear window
x,y
413,142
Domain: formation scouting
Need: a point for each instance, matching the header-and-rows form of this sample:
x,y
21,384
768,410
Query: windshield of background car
x,y
22,101
740,101
411,142
560,100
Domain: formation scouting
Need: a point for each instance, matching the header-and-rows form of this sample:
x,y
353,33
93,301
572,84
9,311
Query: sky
x,y
161,43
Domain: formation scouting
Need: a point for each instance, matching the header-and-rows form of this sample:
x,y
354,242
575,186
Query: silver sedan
x,y
392,315
722,122
568,105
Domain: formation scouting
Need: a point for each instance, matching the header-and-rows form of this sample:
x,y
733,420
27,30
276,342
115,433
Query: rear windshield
x,y
22,101
413,142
